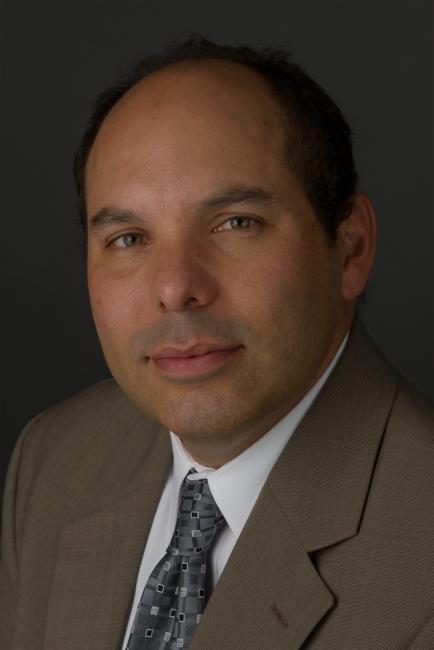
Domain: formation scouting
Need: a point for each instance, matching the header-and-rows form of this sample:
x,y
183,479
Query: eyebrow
x,y
239,195
250,195
110,216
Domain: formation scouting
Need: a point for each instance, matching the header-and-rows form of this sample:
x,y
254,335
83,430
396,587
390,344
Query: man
x,y
257,475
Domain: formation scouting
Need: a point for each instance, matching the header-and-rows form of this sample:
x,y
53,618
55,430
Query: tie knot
x,y
198,519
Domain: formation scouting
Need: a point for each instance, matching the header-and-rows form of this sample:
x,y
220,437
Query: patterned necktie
x,y
175,595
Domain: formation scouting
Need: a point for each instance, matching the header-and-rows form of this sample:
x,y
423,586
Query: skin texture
x,y
260,275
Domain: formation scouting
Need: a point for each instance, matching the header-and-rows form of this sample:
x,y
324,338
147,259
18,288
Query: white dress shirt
x,y
235,487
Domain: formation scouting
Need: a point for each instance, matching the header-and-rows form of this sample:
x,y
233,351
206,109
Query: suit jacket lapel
x,y
322,478
99,555
270,593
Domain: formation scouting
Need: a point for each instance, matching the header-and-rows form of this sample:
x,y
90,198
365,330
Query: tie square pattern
x,y
175,595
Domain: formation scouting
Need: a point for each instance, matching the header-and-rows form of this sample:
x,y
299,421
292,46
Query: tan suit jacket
x,y
337,553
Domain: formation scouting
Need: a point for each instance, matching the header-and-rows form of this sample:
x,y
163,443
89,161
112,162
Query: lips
x,y
198,361
193,351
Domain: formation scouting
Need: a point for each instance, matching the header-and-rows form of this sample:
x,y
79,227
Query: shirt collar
x,y
236,485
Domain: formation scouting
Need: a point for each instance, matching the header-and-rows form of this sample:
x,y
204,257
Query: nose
x,y
181,277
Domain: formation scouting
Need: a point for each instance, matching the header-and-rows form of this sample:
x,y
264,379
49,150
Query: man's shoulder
x,y
104,396
71,445
367,365
405,466
98,409
412,419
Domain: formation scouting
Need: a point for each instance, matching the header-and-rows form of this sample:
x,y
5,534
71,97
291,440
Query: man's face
x,y
175,258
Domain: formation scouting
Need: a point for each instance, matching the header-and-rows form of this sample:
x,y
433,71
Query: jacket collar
x,y
321,479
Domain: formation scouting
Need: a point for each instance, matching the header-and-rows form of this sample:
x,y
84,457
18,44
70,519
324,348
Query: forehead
x,y
189,122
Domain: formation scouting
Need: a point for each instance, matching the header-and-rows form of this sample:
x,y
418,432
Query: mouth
x,y
194,366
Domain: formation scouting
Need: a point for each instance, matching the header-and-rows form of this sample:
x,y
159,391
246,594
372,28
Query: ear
x,y
357,239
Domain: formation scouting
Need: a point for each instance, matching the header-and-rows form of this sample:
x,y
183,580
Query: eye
x,y
238,223
127,240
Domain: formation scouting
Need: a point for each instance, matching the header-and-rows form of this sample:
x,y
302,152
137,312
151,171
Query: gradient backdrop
x,y
374,58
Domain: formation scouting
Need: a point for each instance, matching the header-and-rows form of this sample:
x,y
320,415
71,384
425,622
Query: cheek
x,y
291,290
113,303
270,284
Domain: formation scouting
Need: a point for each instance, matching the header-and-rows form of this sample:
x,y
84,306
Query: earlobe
x,y
357,241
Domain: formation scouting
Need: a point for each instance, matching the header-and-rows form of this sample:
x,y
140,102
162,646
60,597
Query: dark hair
x,y
319,140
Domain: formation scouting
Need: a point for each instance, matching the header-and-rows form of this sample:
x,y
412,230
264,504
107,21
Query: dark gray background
x,y
374,58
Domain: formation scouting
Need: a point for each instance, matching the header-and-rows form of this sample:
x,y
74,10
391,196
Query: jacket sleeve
x,y
9,558
17,491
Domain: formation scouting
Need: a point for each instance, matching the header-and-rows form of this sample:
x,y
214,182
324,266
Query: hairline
x,y
288,131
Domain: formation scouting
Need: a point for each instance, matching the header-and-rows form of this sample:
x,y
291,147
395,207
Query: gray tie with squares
x,y
175,595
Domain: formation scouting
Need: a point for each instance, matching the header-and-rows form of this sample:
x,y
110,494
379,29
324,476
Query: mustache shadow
x,y
181,331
